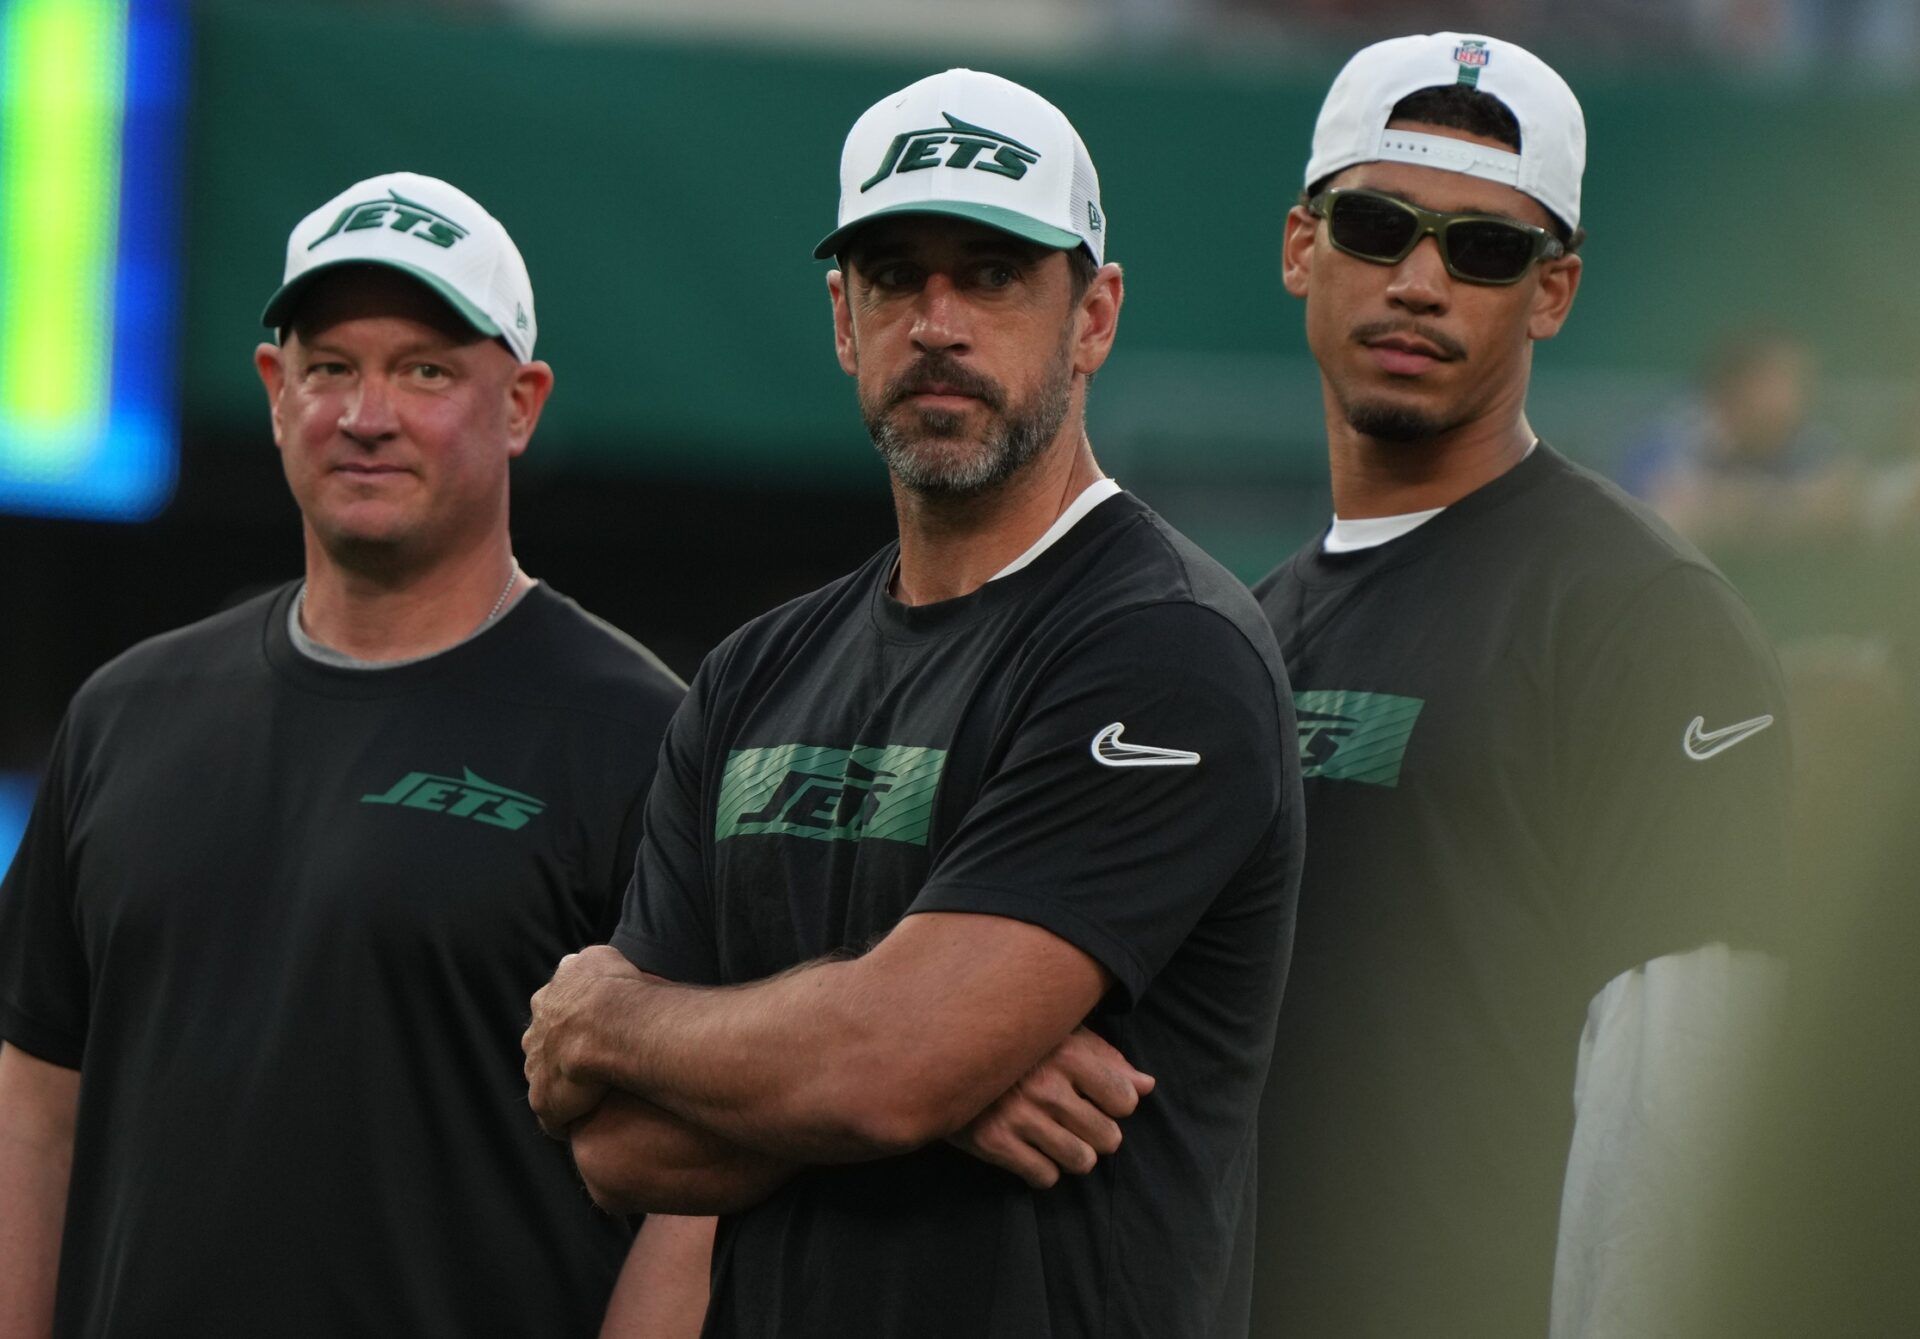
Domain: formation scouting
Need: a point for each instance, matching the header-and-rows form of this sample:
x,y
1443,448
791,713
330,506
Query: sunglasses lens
x,y
1371,227
1488,250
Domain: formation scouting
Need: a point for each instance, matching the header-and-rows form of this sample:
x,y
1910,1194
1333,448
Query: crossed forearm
x,y
836,1061
793,1068
637,1158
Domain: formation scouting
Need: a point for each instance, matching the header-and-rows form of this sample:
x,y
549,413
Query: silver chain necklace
x,y
513,575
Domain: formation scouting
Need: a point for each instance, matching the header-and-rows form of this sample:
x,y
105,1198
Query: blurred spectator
x,y
1739,461
1876,38
1748,32
1890,509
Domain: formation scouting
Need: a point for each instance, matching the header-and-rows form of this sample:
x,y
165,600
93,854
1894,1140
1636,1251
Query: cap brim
x,y
280,306
993,216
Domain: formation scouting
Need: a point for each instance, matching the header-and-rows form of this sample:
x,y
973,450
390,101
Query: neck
x,y
951,547
1373,478
379,613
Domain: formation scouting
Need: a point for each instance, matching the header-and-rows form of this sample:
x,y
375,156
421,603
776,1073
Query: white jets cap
x,y
973,146
423,227
1553,132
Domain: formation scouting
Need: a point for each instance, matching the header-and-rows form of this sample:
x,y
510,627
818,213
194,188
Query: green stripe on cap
x,y
994,216
281,304
1470,76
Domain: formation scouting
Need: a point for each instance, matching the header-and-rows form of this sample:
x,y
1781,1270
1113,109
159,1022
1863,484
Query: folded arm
x,y
637,1158
836,1061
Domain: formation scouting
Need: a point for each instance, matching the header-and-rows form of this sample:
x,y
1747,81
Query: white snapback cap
x,y
425,228
974,146
1553,133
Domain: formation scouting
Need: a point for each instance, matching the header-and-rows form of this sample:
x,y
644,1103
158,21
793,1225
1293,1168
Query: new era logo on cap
x,y
425,228
976,146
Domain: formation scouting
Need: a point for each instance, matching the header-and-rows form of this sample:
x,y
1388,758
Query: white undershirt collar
x,y
1373,531
1090,497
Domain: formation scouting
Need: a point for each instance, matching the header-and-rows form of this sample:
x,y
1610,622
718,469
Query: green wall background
x,y
667,198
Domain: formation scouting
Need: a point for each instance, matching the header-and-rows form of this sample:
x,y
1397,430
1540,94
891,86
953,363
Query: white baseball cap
x,y
973,146
425,228
1553,133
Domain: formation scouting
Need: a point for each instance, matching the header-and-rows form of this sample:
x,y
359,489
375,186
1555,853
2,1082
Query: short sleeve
x,y
44,979
666,925
626,853
1144,773
1680,765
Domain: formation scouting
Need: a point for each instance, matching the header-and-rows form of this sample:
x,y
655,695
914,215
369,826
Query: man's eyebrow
x,y
440,347
874,251
1404,198
892,248
1005,245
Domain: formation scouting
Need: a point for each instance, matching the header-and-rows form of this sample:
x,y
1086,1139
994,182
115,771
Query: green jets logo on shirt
x,y
868,793
1347,736
398,213
913,150
466,796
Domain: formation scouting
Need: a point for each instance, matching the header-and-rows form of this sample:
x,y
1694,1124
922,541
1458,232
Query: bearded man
x,y
931,848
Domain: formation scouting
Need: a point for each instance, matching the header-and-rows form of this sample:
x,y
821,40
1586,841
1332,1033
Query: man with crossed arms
x,y
1012,783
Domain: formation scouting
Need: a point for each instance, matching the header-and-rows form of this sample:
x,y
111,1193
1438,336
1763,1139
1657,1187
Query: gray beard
x,y
1023,432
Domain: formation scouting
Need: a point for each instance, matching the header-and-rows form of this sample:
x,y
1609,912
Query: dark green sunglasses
x,y
1479,248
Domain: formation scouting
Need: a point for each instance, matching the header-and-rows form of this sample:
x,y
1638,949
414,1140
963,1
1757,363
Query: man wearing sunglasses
x,y
1544,755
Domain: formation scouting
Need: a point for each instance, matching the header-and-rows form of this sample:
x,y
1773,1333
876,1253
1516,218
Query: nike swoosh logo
x,y
1702,744
1108,751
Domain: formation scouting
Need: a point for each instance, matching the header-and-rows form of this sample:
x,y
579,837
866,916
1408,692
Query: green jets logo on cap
x,y
398,213
466,796
913,150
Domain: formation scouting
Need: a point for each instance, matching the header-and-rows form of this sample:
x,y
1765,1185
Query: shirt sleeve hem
x,y
44,1043
653,957
1098,943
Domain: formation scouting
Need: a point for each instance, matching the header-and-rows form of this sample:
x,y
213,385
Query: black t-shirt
x,y
285,918
847,760
1510,802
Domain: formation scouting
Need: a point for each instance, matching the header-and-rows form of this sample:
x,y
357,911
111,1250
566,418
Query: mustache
x,y
1440,339
940,369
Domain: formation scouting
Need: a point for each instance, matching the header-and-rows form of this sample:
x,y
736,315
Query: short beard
x,y
1021,433
1394,423
1388,422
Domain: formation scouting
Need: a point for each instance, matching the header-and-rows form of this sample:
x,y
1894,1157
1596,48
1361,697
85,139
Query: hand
x,y
1062,1116
562,1012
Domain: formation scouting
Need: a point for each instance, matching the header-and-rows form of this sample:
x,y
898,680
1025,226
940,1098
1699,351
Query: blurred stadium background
x,y
666,166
